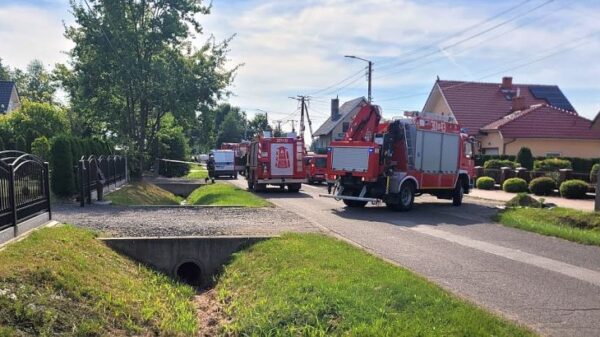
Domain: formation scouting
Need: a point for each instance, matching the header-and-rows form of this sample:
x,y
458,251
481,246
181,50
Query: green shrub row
x,y
570,189
499,163
577,164
65,152
551,165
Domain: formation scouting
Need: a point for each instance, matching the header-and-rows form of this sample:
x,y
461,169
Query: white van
x,y
224,163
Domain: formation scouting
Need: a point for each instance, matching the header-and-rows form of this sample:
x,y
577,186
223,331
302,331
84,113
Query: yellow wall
x,y
493,139
566,147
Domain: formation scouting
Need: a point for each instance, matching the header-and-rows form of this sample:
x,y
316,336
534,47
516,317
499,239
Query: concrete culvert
x,y
190,273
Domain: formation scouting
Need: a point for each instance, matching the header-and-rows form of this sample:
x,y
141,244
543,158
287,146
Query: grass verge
x,y
568,224
197,171
223,194
142,193
312,285
62,281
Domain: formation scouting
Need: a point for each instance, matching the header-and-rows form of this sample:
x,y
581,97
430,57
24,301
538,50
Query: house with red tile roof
x,y
505,116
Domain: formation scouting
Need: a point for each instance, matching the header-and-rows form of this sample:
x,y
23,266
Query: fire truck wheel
x,y
259,187
406,198
457,194
294,188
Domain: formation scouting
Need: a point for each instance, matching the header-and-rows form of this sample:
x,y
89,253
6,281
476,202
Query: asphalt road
x,y
548,284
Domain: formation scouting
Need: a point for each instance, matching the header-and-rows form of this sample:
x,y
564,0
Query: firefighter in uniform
x,y
210,165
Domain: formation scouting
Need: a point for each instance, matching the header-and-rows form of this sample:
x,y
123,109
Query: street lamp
x,y
369,72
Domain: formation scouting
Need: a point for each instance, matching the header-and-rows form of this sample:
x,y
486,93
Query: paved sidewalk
x,y
583,205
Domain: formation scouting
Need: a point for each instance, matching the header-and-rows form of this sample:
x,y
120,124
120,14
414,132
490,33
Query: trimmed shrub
x,y
523,200
551,165
594,173
41,148
573,189
62,167
525,158
542,186
499,163
514,185
485,183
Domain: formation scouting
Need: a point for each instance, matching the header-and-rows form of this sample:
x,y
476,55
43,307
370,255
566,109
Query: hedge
x,y
542,186
514,185
582,165
573,189
62,179
499,163
551,165
485,183
41,148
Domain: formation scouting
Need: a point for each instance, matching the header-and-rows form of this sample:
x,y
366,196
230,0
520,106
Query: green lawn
x,y
197,171
223,194
141,193
61,281
569,224
312,285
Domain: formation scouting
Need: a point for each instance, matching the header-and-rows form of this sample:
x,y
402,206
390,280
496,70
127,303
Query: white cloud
x,y
28,32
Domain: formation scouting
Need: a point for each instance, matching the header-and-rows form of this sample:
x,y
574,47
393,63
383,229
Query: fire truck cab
x,y
316,168
393,161
276,161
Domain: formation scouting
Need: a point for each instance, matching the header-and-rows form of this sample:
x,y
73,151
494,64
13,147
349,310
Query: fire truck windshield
x,y
321,162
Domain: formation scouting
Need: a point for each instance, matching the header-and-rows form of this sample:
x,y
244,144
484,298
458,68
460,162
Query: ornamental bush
x,y
573,189
485,183
41,148
594,173
62,167
551,165
499,163
542,186
525,158
514,185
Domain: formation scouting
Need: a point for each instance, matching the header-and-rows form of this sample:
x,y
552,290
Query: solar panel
x,y
552,95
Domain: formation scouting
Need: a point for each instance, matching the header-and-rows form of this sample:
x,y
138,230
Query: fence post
x,y
564,175
13,198
597,207
126,170
81,174
47,185
505,173
521,172
478,172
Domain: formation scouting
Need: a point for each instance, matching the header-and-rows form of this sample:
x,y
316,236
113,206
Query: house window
x,y
345,126
491,151
552,154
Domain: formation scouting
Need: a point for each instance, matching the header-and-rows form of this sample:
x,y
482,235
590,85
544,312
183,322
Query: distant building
x,y
9,98
338,123
504,117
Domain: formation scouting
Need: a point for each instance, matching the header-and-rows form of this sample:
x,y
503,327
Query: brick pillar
x,y
506,173
564,175
478,172
522,173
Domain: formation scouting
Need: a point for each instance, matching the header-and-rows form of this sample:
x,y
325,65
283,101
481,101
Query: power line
x,y
559,50
451,36
337,83
454,44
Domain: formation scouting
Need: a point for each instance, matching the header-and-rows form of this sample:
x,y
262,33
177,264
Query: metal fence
x,y
96,173
24,188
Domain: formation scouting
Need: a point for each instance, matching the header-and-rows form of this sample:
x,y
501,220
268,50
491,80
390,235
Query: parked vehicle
x,y
276,161
316,168
224,163
392,161
240,150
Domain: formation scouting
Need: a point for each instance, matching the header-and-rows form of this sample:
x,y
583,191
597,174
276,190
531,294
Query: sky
x,y
290,48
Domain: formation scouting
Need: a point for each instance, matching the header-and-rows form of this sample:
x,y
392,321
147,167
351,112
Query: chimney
x,y
506,83
518,103
335,109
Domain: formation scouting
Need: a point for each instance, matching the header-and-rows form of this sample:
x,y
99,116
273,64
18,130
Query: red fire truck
x,y
316,168
276,161
392,161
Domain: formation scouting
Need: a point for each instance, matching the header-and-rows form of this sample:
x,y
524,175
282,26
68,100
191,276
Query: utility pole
x,y
302,99
369,74
597,207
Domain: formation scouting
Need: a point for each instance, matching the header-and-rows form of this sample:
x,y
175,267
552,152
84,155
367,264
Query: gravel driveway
x,y
156,221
